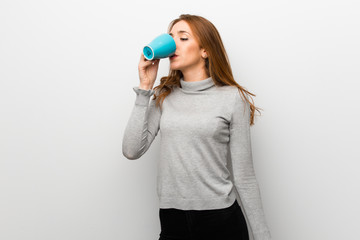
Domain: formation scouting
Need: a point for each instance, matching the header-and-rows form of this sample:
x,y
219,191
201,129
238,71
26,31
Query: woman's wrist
x,y
145,87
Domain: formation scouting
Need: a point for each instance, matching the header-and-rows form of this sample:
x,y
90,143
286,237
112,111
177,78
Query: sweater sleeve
x,y
143,125
244,176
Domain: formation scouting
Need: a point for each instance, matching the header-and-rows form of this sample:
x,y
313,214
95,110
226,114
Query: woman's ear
x,y
204,54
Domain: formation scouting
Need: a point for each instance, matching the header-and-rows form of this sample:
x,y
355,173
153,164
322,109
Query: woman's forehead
x,y
181,27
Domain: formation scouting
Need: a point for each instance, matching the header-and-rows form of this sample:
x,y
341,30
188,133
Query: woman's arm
x,y
143,125
243,170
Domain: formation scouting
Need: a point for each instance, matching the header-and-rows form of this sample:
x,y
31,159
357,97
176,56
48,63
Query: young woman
x,y
204,117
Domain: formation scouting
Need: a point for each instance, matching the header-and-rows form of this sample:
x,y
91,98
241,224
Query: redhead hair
x,y
217,63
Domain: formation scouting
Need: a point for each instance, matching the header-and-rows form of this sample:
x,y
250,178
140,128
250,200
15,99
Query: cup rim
x,y
152,50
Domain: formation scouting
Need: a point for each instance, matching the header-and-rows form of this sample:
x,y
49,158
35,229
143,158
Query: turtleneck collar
x,y
197,85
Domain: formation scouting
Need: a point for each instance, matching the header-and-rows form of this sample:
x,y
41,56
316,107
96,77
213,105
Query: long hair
x,y
217,63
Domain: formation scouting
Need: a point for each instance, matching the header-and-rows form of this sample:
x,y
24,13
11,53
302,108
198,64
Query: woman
x,y
205,118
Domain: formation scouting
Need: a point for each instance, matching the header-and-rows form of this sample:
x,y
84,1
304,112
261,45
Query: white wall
x,y
66,77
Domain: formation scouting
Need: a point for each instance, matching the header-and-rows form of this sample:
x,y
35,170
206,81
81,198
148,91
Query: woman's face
x,y
188,52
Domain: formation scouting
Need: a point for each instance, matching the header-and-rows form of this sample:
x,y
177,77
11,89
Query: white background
x,y
67,69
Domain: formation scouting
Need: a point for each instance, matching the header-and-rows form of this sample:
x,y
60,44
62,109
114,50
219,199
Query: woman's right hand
x,y
147,72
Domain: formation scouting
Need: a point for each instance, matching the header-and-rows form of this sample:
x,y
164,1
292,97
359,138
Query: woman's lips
x,y
173,56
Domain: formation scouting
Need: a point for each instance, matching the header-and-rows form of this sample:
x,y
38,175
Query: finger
x,y
155,61
143,58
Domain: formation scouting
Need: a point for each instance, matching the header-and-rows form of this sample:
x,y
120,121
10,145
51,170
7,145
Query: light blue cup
x,y
162,46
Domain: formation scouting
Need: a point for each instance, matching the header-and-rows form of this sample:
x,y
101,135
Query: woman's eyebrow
x,y
181,31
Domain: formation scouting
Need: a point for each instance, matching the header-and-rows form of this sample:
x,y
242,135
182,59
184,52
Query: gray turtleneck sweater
x,y
203,128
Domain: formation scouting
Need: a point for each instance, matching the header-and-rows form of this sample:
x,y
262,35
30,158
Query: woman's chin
x,y
174,67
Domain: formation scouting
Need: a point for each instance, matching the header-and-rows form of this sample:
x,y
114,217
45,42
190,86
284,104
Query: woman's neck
x,y
195,74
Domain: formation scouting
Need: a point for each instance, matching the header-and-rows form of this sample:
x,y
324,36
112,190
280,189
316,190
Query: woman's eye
x,y
183,38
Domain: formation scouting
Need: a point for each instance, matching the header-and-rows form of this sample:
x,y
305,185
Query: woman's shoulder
x,y
229,89
233,94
